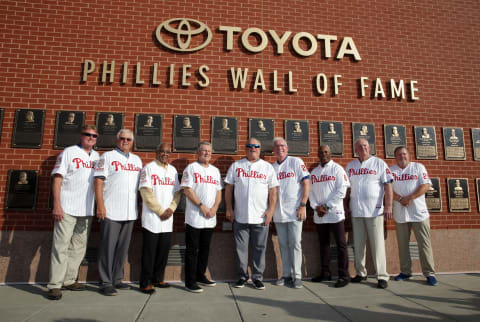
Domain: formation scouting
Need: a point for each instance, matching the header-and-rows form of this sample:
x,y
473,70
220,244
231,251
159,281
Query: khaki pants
x,y
422,235
374,228
69,244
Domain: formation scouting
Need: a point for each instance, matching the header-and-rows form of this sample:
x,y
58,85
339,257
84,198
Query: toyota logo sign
x,y
183,31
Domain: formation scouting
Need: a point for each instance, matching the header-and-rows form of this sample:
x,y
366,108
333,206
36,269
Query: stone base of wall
x,y
25,256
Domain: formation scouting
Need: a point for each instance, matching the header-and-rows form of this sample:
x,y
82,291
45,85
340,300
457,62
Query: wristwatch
x,y
200,204
302,204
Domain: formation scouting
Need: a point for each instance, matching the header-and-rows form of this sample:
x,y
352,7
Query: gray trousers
x,y
290,242
114,242
257,235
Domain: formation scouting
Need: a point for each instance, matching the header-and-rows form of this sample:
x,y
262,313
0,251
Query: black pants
x,y
338,230
154,257
196,254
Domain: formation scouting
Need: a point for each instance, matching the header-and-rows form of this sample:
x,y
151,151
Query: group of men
x,y
256,193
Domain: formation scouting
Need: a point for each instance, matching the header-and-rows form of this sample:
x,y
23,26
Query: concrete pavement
x,y
455,298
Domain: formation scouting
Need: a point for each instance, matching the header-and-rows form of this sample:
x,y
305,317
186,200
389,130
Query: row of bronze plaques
x,y
28,133
22,192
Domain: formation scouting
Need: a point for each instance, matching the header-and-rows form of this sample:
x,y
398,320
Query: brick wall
x,y
44,44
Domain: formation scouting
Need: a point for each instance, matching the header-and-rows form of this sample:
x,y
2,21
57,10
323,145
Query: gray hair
x,y
125,131
203,143
279,138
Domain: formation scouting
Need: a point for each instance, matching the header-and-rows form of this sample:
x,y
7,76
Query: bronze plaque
x,y
433,196
453,143
224,135
148,131
21,189
297,135
331,134
186,133
1,120
364,131
28,129
425,143
476,144
67,128
264,131
394,135
108,125
458,196
477,185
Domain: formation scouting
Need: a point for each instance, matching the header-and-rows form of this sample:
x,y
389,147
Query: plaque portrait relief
x,y
458,195
453,143
297,135
186,133
28,129
21,189
433,196
425,143
264,131
364,131
476,144
67,128
148,131
394,135
224,135
331,134
108,125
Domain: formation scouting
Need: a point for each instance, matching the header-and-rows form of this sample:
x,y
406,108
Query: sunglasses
x,y
250,146
90,135
125,139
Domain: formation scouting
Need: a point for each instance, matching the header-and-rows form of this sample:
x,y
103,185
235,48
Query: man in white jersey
x,y
202,185
73,201
159,188
116,182
329,185
369,178
411,182
254,185
290,211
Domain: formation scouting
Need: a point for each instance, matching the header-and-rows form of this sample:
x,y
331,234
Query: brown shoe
x,y
147,289
161,285
54,294
75,287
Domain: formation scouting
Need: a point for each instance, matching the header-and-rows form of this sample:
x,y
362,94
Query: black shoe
x,y
194,288
147,289
108,291
121,286
358,279
161,285
240,283
321,278
54,294
258,285
341,283
205,281
382,284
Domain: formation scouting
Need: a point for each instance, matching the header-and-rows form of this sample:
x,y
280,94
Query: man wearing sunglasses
x,y
116,181
254,184
73,201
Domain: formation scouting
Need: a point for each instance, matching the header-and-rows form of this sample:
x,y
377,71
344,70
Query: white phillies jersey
x,y
121,173
367,179
164,184
251,182
328,186
76,166
406,181
205,182
290,174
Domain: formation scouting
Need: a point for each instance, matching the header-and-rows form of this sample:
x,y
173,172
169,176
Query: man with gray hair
x,y
254,184
202,185
290,211
116,181
370,178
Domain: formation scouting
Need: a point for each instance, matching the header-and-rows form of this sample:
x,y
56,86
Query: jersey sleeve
x,y
272,177
230,178
385,173
341,185
302,171
145,180
61,165
187,177
177,186
101,170
424,178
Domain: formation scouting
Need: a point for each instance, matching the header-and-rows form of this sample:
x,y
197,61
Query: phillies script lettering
x,y
361,171
284,175
167,181
322,178
125,167
404,177
200,179
252,174
79,162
